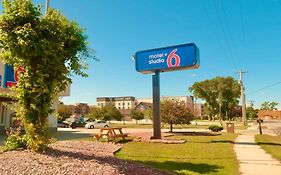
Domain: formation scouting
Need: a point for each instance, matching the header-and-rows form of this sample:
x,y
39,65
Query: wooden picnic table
x,y
111,133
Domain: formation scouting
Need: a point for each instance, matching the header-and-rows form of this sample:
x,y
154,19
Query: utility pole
x,y
47,6
243,101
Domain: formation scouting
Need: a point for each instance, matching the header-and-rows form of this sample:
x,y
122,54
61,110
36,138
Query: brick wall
x,y
266,114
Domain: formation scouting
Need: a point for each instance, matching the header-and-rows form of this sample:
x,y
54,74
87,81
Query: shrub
x,y
15,141
215,128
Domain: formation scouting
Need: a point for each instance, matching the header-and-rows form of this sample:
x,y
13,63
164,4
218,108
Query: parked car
x,y
60,124
97,124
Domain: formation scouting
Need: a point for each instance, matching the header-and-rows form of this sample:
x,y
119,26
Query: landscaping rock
x,y
71,157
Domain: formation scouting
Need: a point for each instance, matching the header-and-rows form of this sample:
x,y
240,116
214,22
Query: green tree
x,y
148,113
137,115
220,94
50,50
95,113
109,112
64,112
175,112
251,113
269,105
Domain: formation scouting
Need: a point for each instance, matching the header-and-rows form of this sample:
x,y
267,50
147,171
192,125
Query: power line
x,y
266,87
224,33
211,22
228,30
242,26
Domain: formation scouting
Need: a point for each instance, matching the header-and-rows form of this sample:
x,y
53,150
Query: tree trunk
x,y
171,127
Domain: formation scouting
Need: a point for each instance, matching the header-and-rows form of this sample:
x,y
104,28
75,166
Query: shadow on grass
x,y
246,143
125,166
232,142
181,167
71,135
268,143
195,133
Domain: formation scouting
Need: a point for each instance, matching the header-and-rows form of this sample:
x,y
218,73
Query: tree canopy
x,y
50,49
137,115
175,112
269,105
108,112
221,94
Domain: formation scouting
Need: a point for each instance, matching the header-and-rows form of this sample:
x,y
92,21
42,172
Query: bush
x,y
15,141
215,128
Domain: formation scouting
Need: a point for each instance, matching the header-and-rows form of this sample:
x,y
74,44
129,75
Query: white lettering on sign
x,y
157,58
158,55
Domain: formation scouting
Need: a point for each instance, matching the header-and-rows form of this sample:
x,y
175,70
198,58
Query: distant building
x,y
188,100
142,106
268,114
127,102
199,109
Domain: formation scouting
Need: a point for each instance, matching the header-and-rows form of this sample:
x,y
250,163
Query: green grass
x,y
132,125
199,155
72,135
271,144
237,125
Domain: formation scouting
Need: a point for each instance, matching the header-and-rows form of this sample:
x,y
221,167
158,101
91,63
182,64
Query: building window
x,y
119,108
119,104
128,103
128,107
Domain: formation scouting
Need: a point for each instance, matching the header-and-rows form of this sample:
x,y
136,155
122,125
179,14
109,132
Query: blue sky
x,y
231,35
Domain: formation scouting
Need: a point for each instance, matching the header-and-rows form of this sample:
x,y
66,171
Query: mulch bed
x,y
71,158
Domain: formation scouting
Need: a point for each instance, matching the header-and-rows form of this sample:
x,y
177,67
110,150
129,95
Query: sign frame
x,y
166,59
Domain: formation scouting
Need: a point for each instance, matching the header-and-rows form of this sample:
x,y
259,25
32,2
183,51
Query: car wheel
x,y
106,126
92,127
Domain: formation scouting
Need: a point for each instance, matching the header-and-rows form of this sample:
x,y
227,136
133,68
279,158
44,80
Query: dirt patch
x,y
71,157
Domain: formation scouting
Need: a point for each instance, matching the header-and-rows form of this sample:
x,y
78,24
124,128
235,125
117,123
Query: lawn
x,y
199,155
132,125
271,144
201,125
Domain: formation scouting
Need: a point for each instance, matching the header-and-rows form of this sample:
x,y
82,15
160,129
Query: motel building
x,y
8,106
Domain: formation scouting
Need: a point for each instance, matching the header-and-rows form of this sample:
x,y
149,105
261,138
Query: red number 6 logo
x,y
170,58
17,72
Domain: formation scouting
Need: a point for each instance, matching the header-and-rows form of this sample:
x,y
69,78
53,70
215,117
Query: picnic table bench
x,y
111,133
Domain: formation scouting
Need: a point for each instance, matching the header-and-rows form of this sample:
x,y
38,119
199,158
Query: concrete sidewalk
x,y
253,160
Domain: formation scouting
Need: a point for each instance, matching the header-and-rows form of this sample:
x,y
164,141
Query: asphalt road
x,y
274,125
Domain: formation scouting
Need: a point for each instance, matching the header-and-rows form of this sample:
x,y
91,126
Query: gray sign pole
x,y
156,106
